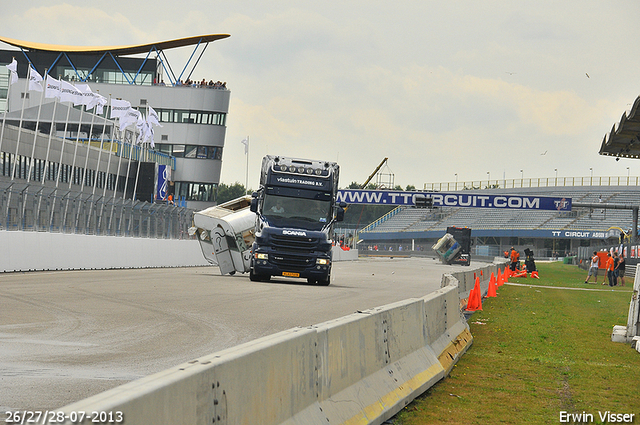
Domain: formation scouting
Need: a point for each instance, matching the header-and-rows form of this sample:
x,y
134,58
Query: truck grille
x,y
297,243
290,262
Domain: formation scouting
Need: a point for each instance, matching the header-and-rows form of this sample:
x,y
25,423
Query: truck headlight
x,y
262,256
323,261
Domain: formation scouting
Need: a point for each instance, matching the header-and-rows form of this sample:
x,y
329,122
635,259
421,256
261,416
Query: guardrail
x,y
44,209
362,368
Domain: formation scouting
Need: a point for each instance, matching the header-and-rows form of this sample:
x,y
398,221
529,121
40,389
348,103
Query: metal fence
x,y
45,209
533,182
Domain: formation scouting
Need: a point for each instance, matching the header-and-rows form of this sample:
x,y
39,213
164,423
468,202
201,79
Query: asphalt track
x,y
68,335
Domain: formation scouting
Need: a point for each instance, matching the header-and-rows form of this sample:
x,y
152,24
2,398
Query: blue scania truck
x,y
296,210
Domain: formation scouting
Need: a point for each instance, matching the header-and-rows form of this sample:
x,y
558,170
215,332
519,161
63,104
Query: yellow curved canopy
x,y
116,50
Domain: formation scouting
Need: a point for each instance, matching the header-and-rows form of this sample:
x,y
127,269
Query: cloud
x,y
73,25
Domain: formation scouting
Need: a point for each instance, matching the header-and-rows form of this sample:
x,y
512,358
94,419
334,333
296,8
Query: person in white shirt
x,y
593,268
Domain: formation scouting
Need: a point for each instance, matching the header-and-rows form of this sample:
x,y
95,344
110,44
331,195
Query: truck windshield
x,y
310,214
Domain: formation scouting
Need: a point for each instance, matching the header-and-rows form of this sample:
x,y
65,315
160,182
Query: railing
x,y
44,209
533,182
382,219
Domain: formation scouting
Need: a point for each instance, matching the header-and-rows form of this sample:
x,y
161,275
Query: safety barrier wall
x,y
29,251
362,368
631,332
466,280
25,251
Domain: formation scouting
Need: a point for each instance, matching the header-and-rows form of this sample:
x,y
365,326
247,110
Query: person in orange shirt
x,y
610,268
514,259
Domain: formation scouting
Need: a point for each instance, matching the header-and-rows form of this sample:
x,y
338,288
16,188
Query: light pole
x,y
591,181
488,179
521,178
628,175
556,170
456,174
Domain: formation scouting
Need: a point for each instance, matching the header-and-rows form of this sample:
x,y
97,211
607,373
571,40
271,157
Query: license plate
x,y
289,274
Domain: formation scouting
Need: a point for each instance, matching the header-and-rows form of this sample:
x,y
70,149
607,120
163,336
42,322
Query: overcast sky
x,y
440,88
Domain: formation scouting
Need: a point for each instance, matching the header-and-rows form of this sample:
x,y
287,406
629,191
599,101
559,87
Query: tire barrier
x,y
358,369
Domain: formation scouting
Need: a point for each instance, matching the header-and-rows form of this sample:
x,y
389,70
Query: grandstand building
x,y
85,152
548,233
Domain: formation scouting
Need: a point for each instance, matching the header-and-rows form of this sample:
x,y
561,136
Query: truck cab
x,y
295,211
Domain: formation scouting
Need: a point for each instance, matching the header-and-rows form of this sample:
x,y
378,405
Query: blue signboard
x,y
164,174
455,199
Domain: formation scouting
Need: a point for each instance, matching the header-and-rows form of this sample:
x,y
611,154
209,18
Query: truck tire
x,y
254,277
324,282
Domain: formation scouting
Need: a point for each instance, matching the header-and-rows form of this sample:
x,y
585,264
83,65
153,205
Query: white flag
x,y
245,142
153,117
68,93
119,108
148,131
35,80
140,124
130,117
149,135
13,67
52,88
102,102
89,98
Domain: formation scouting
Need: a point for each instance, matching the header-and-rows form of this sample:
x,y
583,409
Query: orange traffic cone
x,y
506,275
475,297
492,287
535,275
500,278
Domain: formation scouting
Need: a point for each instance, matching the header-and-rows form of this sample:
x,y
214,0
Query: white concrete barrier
x,y
339,254
373,363
25,251
632,330
29,251
358,369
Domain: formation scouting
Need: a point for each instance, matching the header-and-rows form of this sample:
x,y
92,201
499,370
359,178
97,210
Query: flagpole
x,y
35,135
33,148
106,175
75,150
4,119
64,141
51,130
115,189
15,158
246,179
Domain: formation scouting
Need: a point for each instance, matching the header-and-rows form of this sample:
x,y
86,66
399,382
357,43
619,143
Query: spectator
x,y
610,270
621,268
593,268
514,259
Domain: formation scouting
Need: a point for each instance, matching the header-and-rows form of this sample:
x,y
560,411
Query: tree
x,y
226,193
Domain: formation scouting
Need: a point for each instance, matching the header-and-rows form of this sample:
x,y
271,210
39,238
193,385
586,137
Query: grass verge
x,y
539,351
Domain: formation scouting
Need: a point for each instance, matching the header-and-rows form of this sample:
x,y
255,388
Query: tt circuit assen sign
x,y
457,199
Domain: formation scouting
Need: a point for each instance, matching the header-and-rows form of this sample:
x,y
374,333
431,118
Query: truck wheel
x,y
324,282
253,277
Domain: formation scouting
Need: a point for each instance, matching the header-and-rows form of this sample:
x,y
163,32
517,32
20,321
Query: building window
x,y
190,151
191,117
195,191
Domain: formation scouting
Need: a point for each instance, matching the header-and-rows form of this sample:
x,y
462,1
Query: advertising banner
x,y
455,199
162,185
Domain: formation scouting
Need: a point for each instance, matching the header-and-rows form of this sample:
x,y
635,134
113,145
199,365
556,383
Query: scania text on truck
x,y
296,210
